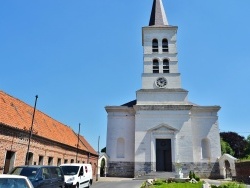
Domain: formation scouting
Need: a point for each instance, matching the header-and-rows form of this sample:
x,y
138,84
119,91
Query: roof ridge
x,y
33,107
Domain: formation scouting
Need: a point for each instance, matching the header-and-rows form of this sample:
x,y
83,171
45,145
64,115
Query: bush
x,y
193,175
213,186
232,185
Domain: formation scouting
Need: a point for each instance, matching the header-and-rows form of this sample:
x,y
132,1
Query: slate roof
x,y
15,113
130,104
158,15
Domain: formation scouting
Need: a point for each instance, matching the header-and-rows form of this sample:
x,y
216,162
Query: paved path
x,y
108,182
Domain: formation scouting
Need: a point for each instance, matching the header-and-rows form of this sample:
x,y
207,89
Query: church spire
x,y
158,15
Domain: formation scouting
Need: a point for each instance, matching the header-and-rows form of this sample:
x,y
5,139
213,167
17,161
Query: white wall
x,y
177,128
120,125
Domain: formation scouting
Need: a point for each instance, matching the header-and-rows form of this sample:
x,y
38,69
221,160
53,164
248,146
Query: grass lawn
x,y
163,184
178,185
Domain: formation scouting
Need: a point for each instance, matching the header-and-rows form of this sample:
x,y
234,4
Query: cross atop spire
x,y
158,15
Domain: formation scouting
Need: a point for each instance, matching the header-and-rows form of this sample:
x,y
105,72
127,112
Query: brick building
x,y
52,142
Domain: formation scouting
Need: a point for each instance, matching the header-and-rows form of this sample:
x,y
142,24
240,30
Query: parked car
x,y
41,176
14,181
77,175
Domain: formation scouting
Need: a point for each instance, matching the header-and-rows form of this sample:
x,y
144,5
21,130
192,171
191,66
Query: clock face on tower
x,y
161,82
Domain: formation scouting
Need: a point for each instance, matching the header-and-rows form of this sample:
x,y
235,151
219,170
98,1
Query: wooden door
x,y
163,155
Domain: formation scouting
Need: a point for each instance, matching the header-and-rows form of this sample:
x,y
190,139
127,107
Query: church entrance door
x,y
163,155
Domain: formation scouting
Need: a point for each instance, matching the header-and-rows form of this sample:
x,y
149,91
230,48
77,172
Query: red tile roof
x,y
16,113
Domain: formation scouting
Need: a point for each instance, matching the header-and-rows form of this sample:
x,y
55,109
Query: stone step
x,y
157,175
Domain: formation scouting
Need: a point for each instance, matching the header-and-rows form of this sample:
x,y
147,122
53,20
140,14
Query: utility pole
x,y
97,173
31,131
77,142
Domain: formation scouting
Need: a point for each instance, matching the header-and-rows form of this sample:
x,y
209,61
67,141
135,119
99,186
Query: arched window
x,y
155,66
205,147
120,148
165,45
102,169
155,45
165,66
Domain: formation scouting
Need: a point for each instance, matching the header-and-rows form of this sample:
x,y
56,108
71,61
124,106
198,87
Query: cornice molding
x,y
161,27
163,90
162,107
206,108
119,109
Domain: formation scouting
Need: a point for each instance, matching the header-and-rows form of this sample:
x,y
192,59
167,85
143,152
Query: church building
x,y
162,130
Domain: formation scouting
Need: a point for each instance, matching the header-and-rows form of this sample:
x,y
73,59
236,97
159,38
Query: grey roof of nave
x,y
130,103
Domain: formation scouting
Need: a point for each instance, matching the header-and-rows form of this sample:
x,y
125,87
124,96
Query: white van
x,y
77,175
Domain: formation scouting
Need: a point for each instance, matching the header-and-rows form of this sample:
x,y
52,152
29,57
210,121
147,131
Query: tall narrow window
x,y
165,45
40,160
50,160
155,45
155,66
29,158
120,148
59,161
9,161
165,66
205,148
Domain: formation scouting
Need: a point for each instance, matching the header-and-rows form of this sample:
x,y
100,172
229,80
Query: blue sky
x,y
80,56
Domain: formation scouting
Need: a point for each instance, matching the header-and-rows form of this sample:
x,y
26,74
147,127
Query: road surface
x,y
117,183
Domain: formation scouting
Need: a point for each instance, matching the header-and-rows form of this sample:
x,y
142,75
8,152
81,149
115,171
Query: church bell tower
x,y
160,61
161,80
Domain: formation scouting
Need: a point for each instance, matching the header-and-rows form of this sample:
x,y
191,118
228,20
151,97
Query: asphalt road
x,y
117,183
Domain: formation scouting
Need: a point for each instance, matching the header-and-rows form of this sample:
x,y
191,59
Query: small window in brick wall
x,y
59,161
9,161
29,158
50,160
40,160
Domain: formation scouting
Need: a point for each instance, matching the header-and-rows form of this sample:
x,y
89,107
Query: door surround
x,y
162,131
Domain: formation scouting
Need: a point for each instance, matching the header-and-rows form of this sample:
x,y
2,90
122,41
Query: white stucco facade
x,y
161,127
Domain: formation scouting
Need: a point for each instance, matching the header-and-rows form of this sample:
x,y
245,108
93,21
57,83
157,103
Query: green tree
x,y
248,147
225,148
237,143
103,150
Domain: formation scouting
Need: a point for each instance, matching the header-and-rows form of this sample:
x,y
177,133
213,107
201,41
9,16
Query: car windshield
x,y
13,182
70,170
29,172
